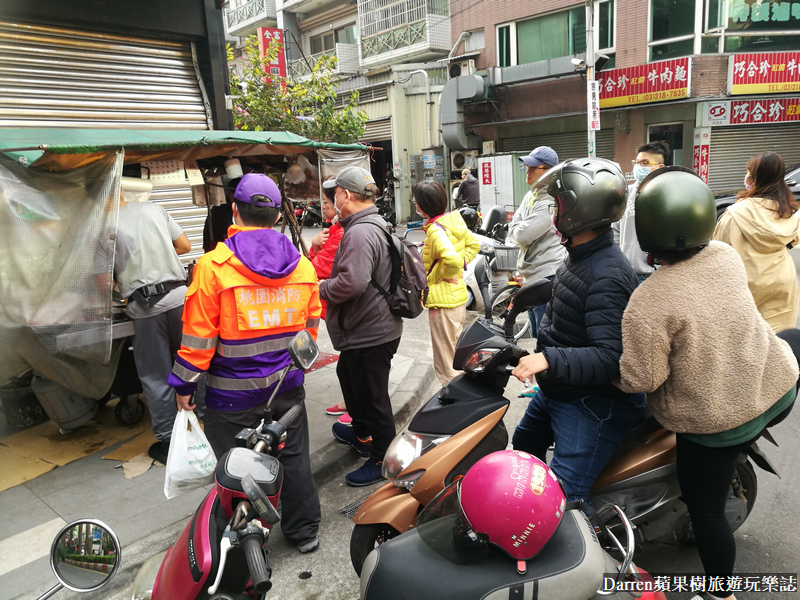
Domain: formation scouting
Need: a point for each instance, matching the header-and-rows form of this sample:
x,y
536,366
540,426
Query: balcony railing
x,y
249,13
376,16
390,25
347,65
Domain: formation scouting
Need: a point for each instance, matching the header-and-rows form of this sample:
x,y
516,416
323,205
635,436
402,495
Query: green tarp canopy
x,y
62,149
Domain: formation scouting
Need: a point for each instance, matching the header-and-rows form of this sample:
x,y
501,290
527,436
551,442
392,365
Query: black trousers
x,y
364,378
301,512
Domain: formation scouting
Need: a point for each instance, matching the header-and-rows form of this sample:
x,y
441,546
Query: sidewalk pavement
x,y
136,509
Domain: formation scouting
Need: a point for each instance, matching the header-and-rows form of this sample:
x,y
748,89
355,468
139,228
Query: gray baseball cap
x,y
354,179
543,155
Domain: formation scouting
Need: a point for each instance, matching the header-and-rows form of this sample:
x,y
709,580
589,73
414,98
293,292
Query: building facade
x,y
717,79
387,50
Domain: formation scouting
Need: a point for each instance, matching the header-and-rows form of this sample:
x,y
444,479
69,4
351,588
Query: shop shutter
x,y
566,145
732,146
56,77
377,131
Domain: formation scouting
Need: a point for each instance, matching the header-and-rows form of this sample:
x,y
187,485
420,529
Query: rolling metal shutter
x,y
377,131
566,145
732,146
55,77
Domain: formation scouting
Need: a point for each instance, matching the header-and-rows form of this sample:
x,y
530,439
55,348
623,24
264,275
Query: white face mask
x,y
640,172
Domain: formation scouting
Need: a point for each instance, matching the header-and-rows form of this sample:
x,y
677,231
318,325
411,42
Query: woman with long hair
x,y
762,226
449,246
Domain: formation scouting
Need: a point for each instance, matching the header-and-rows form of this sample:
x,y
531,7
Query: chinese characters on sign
x,y
593,106
769,583
277,68
486,173
769,73
653,82
702,141
750,112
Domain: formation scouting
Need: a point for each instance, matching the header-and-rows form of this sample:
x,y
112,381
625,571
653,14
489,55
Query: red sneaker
x,y
346,419
335,410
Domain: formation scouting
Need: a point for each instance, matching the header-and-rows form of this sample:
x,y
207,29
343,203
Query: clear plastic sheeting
x,y
57,235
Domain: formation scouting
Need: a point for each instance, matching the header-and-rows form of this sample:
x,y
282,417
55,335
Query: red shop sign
x,y
768,73
277,68
653,82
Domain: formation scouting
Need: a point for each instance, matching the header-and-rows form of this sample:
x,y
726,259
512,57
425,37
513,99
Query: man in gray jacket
x,y
359,322
532,228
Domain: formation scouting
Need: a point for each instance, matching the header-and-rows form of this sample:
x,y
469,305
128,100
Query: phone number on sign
x,y
665,95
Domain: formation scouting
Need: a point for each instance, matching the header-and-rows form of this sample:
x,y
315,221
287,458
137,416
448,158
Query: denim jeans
x,y
536,313
586,433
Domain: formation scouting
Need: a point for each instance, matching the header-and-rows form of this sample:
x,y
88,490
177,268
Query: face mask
x,y
339,210
747,186
640,172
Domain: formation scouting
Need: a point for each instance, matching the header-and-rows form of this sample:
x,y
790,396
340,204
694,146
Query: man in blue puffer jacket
x,y
580,338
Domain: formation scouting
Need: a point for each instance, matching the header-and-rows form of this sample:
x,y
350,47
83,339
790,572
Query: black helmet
x,y
470,217
589,192
675,210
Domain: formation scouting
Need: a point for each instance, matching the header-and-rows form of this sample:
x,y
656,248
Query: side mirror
x,y
303,350
85,556
790,182
529,295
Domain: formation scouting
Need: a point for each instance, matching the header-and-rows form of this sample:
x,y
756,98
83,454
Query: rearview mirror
x,y
85,555
529,295
303,350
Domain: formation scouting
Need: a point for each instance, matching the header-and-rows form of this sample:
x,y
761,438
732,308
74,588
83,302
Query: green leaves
x,y
306,107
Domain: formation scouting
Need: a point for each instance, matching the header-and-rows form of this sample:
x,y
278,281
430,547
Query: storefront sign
x,y
768,73
702,143
486,173
653,82
593,105
749,112
277,67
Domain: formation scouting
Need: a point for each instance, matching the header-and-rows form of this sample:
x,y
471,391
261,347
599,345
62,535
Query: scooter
x,y
85,556
575,564
463,422
384,204
222,553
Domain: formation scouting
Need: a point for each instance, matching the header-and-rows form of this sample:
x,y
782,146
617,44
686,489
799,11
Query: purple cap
x,y
258,184
543,155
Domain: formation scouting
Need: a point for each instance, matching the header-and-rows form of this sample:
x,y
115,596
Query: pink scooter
x,y
221,554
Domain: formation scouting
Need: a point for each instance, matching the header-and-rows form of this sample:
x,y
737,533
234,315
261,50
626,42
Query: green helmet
x,y
675,210
589,192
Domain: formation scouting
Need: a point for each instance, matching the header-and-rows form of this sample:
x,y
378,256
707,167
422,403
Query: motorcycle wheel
x,y
748,482
500,301
125,415
365,538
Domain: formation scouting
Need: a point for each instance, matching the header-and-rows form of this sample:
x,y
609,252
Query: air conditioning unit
x,y
461,68
463,159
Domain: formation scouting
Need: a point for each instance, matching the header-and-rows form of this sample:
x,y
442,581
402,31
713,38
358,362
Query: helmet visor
x,y
445,529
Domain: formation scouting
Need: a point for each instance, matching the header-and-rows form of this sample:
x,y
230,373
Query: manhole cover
x,y
349,511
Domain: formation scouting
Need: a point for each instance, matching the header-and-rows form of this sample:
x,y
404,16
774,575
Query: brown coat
x,y
693,339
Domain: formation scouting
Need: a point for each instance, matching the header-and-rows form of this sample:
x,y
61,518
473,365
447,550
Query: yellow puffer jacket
x,y
449,246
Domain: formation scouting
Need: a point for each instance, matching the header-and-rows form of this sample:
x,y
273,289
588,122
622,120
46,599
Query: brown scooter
x,y
464,422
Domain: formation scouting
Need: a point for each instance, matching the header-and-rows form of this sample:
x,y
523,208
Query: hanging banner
x,y
277,67
748,112
702,143
653,82
593,105
767,73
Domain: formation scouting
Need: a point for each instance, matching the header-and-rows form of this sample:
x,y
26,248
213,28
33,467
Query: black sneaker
x,y
159,451
367,474
345,434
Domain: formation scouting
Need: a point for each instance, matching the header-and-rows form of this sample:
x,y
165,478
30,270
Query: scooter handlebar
x,y
290,416
260,572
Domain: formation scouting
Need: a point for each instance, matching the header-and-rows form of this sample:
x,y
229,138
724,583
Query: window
x,y
476,41
322,42
685,27
346,35
556,35
326,42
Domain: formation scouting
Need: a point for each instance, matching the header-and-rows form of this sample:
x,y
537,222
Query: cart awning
x,y
63,149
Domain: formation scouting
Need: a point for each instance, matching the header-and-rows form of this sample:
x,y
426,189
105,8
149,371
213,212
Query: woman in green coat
x,y
449,246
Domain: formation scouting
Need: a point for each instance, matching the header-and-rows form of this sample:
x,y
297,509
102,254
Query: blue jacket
x,y
581,331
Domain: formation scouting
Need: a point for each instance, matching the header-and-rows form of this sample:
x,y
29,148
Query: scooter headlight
x,y
477,362
405,448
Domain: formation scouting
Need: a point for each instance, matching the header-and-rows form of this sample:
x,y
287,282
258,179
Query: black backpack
x,y
408,284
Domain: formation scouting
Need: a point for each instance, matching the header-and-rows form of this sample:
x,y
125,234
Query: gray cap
x,y
354,179
543,155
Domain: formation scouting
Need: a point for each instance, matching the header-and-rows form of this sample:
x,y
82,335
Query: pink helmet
x,y
509,498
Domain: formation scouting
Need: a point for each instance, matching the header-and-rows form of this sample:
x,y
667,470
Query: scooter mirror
x,y
85,556
529,295
303,349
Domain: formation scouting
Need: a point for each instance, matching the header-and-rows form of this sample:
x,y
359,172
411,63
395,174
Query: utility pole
x,y
592,93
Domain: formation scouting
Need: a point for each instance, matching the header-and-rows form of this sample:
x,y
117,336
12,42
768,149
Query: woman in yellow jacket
x,y
762,225
449,246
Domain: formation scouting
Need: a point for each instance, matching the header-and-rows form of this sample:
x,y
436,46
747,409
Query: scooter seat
x,y
405,568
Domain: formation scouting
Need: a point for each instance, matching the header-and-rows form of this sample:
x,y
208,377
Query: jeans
x,y
586,433
536,313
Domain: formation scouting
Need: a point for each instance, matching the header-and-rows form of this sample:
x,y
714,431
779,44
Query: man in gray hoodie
x,y
359,322
532,228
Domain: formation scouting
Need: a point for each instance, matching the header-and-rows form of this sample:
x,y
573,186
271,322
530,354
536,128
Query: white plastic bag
x,y
191,461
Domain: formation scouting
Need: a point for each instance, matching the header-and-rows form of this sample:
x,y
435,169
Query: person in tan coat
x,y
716,377
762,226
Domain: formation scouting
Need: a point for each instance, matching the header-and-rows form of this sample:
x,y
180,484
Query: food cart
x,y
59,200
